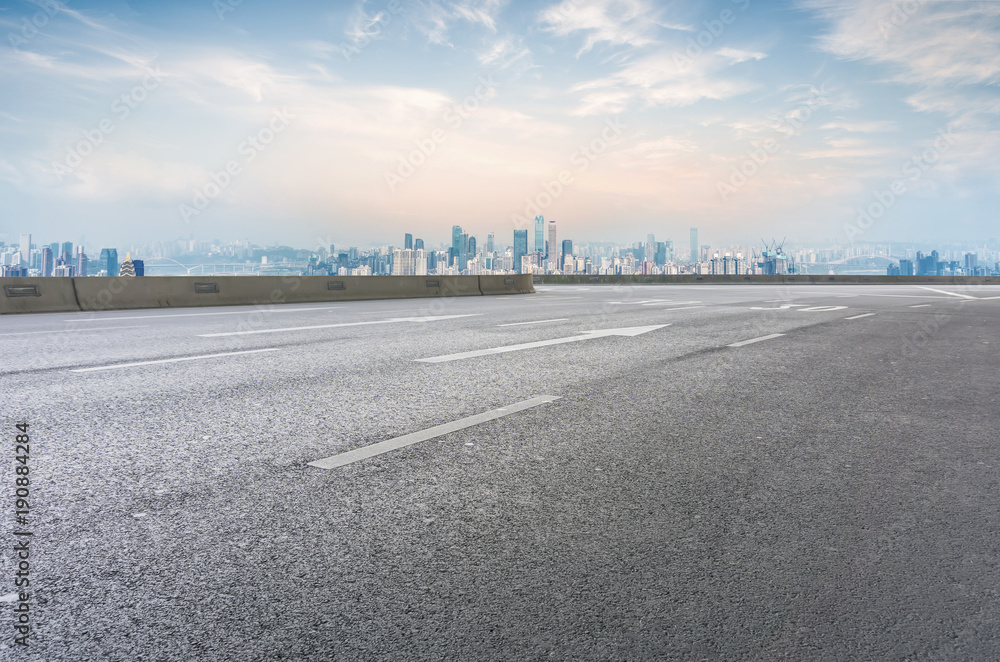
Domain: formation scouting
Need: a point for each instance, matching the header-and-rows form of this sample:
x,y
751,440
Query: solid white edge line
x,y
753,340
177,360
558,319
920,305
228,312
857,317
396,443
101,328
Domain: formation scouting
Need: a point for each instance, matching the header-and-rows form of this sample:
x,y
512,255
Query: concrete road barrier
x,y
37,295
508,284
117,293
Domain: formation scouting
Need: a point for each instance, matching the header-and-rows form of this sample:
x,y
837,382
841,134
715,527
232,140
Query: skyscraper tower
x,y
456,240
489,243
520,248
462,256
408,241
109,261
553,247
25,250
47,261
81,263
694,244
540,235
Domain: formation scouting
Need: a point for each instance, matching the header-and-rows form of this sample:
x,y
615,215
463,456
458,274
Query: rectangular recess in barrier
x,y
206,288
21,291
336,285
433,283
509,282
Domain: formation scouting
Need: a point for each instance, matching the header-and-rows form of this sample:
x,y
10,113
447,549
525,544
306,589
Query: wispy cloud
x,y
616,22
659,79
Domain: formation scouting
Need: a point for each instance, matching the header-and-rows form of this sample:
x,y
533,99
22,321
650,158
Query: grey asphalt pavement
x,y
830,491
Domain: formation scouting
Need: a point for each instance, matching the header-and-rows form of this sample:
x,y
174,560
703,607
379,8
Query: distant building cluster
x,y
542,248
933,265
61,259
538,250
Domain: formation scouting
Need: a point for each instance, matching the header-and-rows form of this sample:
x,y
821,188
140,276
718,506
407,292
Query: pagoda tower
x,y
128,269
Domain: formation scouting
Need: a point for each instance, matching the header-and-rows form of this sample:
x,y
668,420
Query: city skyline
x,y
616,118
464,254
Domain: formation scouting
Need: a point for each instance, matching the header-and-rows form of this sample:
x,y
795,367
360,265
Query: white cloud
x,y
616,22
862,126
661,79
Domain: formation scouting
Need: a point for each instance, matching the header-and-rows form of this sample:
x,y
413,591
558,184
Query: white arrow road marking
x,y
753,340
786,306
586,335
333,326
341,459
559,319
954,294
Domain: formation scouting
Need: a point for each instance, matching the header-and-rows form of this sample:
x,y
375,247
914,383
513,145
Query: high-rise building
x,y
81,263
140,267
462,257
553,247
418,244
694,244
650,253
47,262
490,247
109,261
472,247
25,249
409,262
67,249
408,241
567,248
540,235
906,267
520,247
928,265
456,239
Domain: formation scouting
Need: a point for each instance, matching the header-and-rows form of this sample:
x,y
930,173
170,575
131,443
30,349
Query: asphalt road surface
x,y
596,472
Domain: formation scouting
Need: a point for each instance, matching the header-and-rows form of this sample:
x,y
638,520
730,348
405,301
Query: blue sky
x,y
311,123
